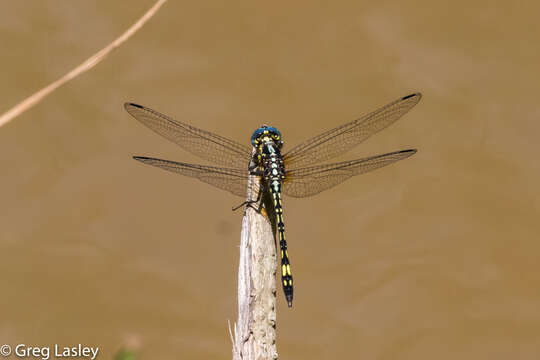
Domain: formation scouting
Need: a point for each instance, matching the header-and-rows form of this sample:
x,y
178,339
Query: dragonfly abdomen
x,y
274,174
286,275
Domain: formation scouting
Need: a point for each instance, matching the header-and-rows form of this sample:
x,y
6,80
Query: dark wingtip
x,y
412,95
411,151
408,152
133,104
140,158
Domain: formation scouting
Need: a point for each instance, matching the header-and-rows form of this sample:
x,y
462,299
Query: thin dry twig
x,y
85,66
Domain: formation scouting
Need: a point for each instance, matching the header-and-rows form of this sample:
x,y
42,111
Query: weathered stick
x,y
255,330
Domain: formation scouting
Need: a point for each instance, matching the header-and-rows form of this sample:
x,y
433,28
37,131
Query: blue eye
x,y
276,135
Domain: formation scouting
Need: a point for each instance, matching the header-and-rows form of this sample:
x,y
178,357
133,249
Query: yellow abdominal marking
x,y
288,269
283,270
285,282
290,282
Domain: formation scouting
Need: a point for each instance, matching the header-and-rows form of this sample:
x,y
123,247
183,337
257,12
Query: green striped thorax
x,y
268,142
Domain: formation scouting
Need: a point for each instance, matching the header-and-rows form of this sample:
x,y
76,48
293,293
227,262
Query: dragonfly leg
x,y
253,169
249,202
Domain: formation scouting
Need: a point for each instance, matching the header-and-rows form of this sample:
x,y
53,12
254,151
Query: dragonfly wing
x,y
204,144
312,180
343,138
231,180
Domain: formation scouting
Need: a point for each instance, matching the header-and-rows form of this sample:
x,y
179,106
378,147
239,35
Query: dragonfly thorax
x,y
266,134
267,142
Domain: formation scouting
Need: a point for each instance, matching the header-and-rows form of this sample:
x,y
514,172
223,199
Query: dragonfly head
x,y
266,134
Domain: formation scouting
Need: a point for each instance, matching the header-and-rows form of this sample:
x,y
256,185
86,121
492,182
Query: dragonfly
x,y
296,173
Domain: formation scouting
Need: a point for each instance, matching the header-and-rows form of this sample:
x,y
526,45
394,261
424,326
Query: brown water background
x,y
435,257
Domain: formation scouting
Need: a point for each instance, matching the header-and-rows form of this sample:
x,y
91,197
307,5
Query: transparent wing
x,y
204,144
231,180
343,138
312,180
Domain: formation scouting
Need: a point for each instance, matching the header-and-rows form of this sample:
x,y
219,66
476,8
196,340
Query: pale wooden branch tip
x,y
255,329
